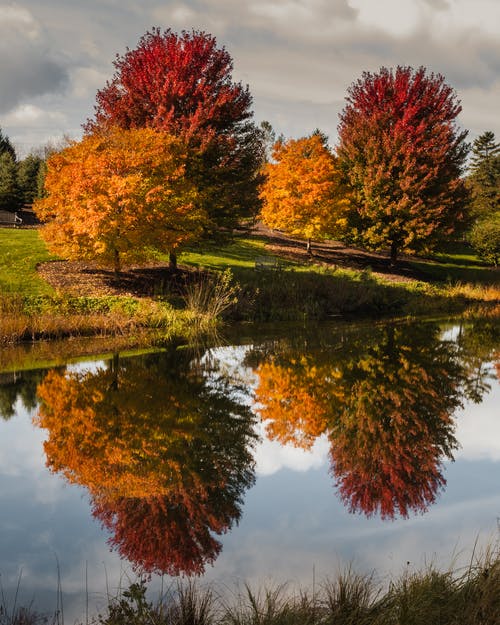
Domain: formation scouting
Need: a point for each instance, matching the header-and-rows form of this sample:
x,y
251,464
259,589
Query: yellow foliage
x,y
302,193
117,196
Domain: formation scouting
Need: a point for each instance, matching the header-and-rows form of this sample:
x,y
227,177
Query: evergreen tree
x,y
40,180
27,177
10,194
6,146
484,179
484,150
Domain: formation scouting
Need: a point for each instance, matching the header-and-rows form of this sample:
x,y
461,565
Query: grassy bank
x,y
31,310
309,290
429,597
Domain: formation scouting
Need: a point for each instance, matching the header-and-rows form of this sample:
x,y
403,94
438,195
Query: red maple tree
x,y
177,83
182,84
170,535
402,154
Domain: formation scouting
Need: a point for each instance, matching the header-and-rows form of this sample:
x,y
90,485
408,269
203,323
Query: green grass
x,y
20,252
456,262
31,310
238,255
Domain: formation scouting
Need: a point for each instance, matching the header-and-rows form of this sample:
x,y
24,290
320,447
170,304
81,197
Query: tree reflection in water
x,y
164,444
385,400
164,448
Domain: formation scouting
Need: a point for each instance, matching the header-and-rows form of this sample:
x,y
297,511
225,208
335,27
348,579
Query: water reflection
x,y
164,442
385,399
19,386
164,448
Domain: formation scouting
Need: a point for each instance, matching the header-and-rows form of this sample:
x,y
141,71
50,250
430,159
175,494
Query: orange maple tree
x,y
302,194
119,195
165,455
296,399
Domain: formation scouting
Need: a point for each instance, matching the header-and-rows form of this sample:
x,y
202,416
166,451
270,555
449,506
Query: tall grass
x,y
430,597
209,296
56,317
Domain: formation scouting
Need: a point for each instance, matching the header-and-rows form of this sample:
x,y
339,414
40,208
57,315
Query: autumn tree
x,y
384,401
164,448
397,427
302,193
119,196
402,154
167,535
182,84
296,398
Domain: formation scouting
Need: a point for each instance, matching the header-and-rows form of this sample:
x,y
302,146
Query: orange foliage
x,y
295,400
302,193
115,196
387,412
102,438
165,456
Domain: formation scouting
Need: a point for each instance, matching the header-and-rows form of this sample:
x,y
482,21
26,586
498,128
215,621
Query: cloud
x,y
298,56
27,68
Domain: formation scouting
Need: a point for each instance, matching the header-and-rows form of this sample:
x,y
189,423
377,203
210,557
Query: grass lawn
x,y
20,252
456,263
240,254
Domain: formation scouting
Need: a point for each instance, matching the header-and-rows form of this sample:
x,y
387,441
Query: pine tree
x,y
10,194
27,177
484,149
484,179
6,146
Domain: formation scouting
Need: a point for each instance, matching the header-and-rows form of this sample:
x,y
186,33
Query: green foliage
x,y
485,238
484,179
6,146
27,177
10,193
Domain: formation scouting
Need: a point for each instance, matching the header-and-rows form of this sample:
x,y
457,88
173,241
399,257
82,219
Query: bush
x,y
485,239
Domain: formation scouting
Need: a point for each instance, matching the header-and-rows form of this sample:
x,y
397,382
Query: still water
x,y
261,458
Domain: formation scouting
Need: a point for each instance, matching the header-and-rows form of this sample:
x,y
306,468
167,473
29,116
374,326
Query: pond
x,y
273,455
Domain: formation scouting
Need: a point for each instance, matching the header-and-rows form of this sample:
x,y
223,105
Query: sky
x,y
297,56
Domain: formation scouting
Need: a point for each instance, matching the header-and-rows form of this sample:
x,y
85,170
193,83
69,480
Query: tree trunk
x,y
394,252
114,366
309,249
172,261
117,264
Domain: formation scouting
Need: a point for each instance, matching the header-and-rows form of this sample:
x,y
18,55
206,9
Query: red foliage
x,y
394,479
403,155
176,83
168,535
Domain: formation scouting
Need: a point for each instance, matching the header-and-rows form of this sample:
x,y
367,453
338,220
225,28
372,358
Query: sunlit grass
x,y
20,253
239,254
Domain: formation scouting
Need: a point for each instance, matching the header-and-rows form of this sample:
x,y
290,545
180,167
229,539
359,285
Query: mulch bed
x,y
84,278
